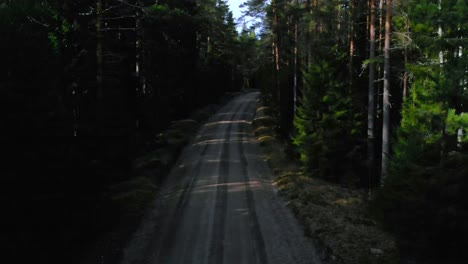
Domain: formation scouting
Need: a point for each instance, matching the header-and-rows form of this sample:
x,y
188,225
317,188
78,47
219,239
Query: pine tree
x,y
371,95
386,95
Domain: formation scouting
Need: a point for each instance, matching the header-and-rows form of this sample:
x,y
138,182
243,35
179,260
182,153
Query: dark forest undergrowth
x,y
335,216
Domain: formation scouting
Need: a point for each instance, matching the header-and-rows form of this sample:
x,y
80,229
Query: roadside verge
x,y
334,216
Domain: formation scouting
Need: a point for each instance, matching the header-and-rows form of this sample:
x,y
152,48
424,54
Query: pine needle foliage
x,y
326,124
424,199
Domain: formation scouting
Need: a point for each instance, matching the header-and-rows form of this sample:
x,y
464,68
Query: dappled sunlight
x,y
263,118
263,108
265,138
227,122
210,142
209,135
222,141
232,187
233,113
217,135
262,129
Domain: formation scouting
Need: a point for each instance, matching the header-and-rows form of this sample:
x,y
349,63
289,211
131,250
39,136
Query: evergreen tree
x,y
427,163
86,87
326,124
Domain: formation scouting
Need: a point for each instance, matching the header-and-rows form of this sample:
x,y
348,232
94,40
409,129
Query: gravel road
x,y
218,204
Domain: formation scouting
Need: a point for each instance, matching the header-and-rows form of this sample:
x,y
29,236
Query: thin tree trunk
x,y
141,82
295,63
381,25
99,56
371,97
339,21
379,68
406,75
441,64
277,49
274,93
351,41
386,96
440,33
309,48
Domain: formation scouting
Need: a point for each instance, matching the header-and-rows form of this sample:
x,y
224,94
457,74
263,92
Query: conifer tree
x,y
386,129
371,94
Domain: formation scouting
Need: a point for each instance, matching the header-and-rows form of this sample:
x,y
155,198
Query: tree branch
x,y
123,29
32,19
116,18
131,5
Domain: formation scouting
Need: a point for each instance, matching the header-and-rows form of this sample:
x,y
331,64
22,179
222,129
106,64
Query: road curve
x,y
218,204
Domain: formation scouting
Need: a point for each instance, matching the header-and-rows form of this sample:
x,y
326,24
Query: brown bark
x,y
380,51
371,95
381,25
386,96
276,47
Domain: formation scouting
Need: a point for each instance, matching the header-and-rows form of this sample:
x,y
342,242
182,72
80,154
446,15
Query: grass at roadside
x,y
336,217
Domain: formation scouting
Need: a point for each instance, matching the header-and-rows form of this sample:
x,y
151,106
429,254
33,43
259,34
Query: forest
x,y
85,87
371,95
374,94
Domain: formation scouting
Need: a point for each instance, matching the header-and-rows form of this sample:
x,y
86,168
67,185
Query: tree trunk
x,y
295,63
371,97
276,49
379,68
352,17
440,34
406,75
99,56
139,74
386,96
308,39
99,93
381,25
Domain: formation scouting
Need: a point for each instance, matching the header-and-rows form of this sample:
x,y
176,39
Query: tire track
x,y
178,216
170,235
254,225
217,238
215,210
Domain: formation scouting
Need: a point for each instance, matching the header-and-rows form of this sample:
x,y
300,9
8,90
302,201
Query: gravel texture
x,y
219,205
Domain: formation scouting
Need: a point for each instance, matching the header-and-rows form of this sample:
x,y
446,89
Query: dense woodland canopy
x,y
374,94
85,87
371,94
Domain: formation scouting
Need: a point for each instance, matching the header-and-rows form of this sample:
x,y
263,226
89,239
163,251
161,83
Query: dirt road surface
x,y
218,204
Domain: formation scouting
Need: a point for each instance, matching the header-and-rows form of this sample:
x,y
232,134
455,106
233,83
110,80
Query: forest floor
x,y
335,216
